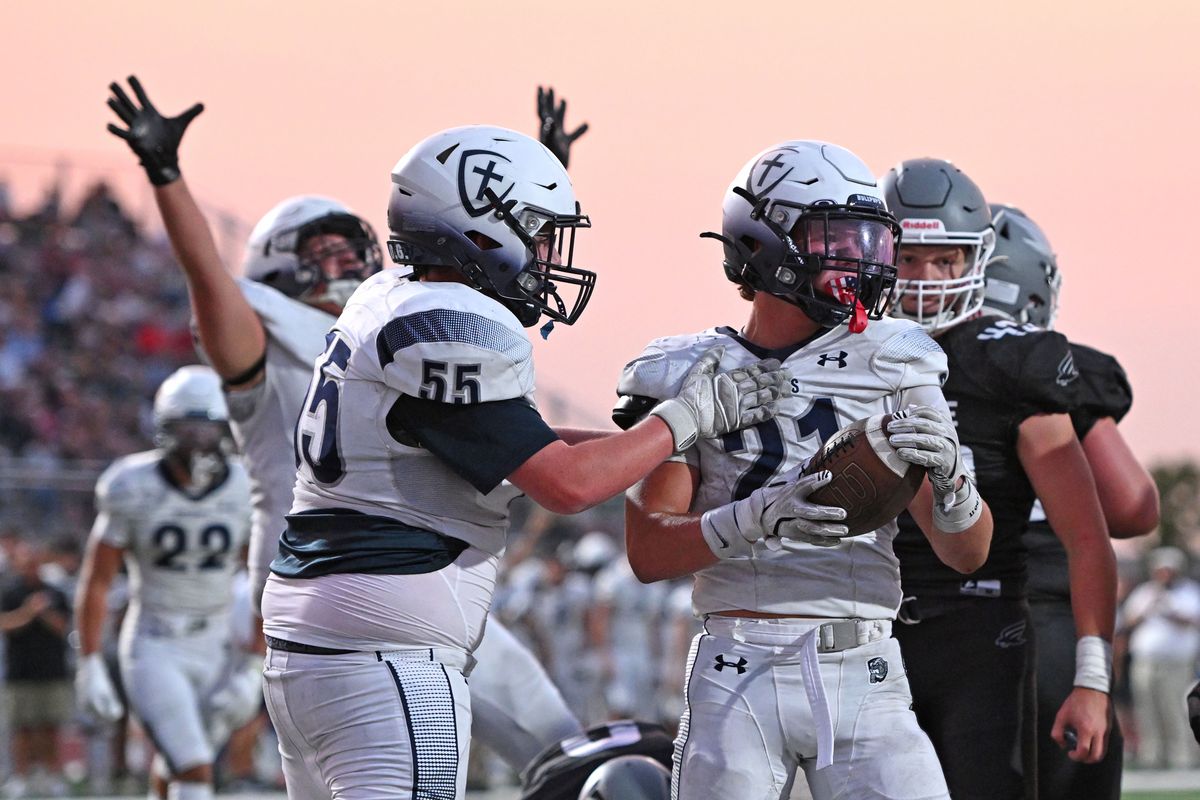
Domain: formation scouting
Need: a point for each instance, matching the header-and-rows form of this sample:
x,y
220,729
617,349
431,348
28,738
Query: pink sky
x,y
1084,114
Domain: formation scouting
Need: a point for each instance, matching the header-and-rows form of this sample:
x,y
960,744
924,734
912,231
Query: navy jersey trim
x,y
782,353
449,325
483,443
339,541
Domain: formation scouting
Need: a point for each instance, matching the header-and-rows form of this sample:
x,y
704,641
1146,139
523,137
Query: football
x,y
870,481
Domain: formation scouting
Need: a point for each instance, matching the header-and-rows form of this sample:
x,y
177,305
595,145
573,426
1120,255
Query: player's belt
x,y
306,649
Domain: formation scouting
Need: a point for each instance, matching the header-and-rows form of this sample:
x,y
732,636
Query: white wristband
x,y
1093,664
680,420
965,507
720,530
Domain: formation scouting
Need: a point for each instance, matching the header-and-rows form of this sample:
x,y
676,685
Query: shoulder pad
x,y
452,344
1104,388
121,487
1033,367
660,369
297,328
909,357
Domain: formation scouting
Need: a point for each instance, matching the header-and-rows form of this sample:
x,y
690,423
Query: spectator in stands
x,y
1163,617
35,619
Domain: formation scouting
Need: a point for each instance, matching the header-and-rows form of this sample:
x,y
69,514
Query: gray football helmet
x,y
805,221
498,207
1023,281
628,778
272,251
938,204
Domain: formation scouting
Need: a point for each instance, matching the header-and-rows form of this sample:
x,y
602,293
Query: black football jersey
x,y
1000,374
1104,391
560,771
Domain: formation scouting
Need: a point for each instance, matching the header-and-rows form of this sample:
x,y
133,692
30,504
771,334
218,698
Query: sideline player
x,y
1023,280
418,431
179,517
262,333
785,598
1011,386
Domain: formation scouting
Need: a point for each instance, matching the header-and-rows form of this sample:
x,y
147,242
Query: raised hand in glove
x,y
95,689
552,132
774,513
153,137
712,403
926,437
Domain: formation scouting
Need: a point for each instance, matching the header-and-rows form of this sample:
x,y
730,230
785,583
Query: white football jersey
x,y
263,418
837,378
181,551
440,341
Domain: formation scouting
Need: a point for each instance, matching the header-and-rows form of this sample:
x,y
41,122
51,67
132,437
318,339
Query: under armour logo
x,y
739,665
839,359
878,669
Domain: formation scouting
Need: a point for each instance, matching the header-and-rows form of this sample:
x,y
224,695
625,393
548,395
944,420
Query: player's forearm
x,y
230,331
574,436
91,607
963,552
567,479
664,545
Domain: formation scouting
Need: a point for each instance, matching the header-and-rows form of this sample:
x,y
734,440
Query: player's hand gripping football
x,y
925,437
95,689
773,514
152,137
712,403
552,132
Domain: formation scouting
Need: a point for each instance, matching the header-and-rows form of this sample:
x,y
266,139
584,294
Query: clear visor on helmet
x,y
855,249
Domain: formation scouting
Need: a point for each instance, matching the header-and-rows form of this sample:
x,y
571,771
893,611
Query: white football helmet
x,y
937,204
498,207
271,251
191,421
805,221
593,551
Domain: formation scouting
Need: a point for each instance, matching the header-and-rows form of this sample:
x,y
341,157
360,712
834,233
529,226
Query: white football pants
x,y
750,721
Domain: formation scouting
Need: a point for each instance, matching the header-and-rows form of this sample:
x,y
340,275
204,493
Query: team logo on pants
x,y
878,668
739,665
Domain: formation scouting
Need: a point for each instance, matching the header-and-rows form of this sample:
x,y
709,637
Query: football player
x,y
262,332
596,765
418,430
1011,386
1023,281
796,666
179,517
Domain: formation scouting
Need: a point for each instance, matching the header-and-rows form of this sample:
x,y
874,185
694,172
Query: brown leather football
x,y
870,481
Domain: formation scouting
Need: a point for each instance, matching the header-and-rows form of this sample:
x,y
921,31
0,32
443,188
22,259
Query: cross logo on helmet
x,y
479,171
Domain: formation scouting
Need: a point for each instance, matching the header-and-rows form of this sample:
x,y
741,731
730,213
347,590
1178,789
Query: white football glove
x,y
925,437
236,700
95,689
712,403
771,514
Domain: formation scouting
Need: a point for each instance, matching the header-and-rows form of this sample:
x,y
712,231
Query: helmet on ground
x,y
276,254
628,778
1023,281
805,221
496,206
938,205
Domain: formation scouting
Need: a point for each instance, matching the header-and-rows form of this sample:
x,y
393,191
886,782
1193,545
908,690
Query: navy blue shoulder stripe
x,y
448,325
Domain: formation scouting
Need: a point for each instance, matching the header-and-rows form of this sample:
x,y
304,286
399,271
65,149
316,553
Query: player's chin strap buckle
x,y
845,634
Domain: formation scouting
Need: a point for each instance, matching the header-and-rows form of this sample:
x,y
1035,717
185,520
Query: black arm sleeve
x,y
483,443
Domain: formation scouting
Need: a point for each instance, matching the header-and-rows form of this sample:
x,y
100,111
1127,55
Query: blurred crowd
x,y
93,315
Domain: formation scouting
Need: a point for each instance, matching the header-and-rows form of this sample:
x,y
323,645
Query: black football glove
x,y
553,134
153,137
